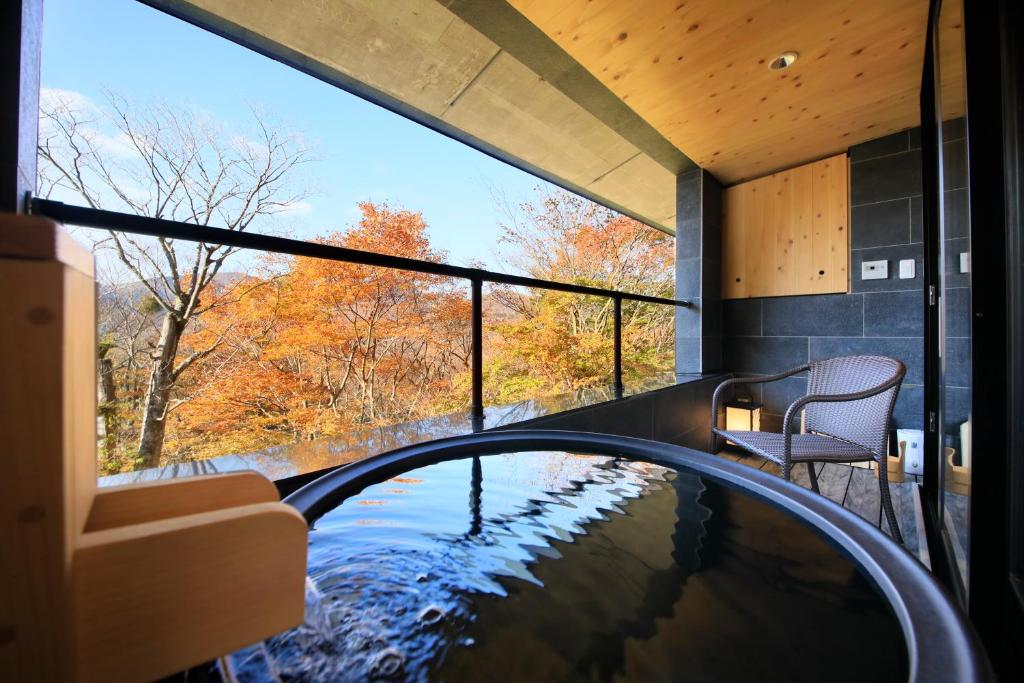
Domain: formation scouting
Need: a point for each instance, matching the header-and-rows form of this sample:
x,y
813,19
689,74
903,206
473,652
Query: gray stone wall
x,y
680,414
698,272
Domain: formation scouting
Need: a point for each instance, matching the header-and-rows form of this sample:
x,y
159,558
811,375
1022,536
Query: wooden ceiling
x,y
697,70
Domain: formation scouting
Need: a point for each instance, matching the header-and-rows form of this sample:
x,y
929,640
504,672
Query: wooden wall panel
x,y
788,233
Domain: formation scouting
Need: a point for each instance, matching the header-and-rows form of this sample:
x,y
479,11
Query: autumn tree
x,y
330,346
555,342
168,162
127,325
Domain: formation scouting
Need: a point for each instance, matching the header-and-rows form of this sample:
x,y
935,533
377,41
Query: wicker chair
x,y
847,410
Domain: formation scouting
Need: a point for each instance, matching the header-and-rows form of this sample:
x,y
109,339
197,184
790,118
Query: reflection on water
x,y
553,566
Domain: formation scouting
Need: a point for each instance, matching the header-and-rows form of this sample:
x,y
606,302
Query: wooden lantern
x,y
128,583
743,415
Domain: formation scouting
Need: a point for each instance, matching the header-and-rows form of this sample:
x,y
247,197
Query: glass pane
x,y
267,350
954,314
648,341
541,343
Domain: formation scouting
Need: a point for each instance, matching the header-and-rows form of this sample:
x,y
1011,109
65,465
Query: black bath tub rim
x,y
941,645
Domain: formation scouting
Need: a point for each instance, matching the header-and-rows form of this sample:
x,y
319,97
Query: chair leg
x,y
813,476
890,514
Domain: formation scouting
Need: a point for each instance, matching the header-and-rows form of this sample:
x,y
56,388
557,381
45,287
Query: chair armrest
x,y
757,379
151,501
798,405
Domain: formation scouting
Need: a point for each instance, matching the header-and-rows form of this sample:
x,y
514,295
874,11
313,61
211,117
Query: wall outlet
x,y
965,262
874,270
907,269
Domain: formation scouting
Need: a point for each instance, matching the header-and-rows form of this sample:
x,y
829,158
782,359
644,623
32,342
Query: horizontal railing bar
x,y
159,227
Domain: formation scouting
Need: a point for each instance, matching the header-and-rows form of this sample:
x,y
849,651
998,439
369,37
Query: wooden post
x,y
47,416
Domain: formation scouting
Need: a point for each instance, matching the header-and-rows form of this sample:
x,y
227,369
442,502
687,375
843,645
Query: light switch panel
x,y
874,270
965,262
907,269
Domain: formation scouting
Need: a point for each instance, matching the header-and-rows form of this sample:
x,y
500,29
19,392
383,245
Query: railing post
x,y
477,368
618,347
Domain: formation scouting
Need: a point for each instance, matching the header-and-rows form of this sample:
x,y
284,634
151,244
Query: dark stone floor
x,y
856,489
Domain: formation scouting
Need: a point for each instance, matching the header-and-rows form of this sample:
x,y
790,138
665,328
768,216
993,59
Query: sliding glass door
x,y
953,397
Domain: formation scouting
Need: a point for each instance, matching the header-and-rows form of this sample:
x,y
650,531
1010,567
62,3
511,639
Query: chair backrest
x,y
865,421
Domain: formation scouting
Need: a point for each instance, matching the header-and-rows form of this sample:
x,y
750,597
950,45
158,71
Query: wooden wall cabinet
x,y
788,233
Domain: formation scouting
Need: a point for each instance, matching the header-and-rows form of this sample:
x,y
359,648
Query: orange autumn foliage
x,y
318,347
556,342
299,349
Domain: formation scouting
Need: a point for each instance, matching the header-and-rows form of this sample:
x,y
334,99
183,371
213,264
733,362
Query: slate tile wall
x,y
698,272
877,317
680,414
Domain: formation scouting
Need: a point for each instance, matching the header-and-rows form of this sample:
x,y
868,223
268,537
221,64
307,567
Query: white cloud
x,y
69,99
299,208
117,145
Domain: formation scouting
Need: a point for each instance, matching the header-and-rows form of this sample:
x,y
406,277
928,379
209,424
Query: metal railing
x,y
158,227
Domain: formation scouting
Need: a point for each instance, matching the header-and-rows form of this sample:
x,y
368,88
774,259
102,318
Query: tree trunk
x,y
108,404
158,394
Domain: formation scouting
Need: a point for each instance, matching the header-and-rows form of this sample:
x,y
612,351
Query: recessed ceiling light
x,y
784,61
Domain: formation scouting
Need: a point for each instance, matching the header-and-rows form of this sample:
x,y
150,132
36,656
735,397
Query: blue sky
x,y
363,151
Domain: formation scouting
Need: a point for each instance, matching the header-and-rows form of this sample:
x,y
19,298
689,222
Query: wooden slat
x,y
821,251
805,277
784,265
734,243
856,489
730,454
152,501
762,256
750,461
839,241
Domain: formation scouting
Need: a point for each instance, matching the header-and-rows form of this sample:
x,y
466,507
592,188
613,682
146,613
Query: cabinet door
x,y
787,233
734,247
830,252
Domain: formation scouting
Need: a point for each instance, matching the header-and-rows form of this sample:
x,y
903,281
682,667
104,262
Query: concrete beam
x,y
424,61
